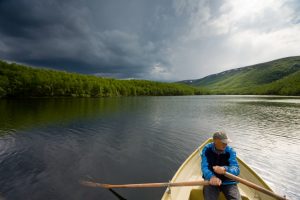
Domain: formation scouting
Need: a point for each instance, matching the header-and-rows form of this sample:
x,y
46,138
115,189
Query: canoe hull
x,y
190,171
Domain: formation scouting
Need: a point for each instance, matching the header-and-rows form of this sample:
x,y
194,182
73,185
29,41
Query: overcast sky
x,y
164,40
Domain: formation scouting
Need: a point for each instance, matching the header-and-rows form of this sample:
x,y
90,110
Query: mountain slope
x,y
280,76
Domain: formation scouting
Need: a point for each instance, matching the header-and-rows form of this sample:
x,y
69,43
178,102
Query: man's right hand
x,y
215,181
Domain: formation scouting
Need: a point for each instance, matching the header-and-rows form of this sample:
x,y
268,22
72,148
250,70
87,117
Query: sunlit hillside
x,y
278,77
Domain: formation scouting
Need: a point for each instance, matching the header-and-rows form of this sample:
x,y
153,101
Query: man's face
x,y
220,145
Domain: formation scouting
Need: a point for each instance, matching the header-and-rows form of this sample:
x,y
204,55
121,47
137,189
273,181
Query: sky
x,y
165,40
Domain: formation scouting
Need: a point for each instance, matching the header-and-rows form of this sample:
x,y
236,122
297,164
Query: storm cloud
x,y
158,40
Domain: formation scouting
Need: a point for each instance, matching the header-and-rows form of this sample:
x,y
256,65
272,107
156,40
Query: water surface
x,y
48,145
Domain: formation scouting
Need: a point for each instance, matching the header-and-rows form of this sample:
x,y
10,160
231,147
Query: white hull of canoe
x,y
190,171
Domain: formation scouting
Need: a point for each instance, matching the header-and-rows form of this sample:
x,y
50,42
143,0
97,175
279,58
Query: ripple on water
x,y
7,143
146,139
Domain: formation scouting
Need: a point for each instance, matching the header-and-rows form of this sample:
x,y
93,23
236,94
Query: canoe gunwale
x,y
197,152
240,161
190,158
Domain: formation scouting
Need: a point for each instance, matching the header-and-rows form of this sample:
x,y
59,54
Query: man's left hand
x,y
219,170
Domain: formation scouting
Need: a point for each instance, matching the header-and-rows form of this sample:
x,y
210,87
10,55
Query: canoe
x,y
190,170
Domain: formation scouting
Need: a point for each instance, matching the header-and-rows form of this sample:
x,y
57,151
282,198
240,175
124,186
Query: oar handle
x,y
254,186
145,185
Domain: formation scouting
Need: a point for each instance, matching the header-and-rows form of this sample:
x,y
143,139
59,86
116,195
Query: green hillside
x,y
18,81
278,77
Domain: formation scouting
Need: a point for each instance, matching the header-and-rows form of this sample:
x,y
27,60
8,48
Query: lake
x,y
48,145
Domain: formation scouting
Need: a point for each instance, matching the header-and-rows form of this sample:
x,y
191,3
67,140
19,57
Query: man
x,y
218,158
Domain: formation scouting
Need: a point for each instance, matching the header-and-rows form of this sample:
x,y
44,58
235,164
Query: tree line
x,y
18,81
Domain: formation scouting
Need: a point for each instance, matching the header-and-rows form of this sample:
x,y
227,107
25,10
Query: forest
x,y
19,81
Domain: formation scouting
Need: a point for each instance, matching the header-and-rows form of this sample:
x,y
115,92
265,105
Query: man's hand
x,y
215,181
219,170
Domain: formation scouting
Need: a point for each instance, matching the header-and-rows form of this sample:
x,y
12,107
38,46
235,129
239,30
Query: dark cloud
x,y
96,37
170,39
41,19
43,30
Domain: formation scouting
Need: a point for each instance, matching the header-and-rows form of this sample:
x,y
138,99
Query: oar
x,y
144,185
179,184
254,186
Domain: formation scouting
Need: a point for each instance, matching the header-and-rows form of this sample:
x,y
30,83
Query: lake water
x,y
48,145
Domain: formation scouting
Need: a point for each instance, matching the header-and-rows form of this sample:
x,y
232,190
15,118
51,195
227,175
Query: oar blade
x,y
93,184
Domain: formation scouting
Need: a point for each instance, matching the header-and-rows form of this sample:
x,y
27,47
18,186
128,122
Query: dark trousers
x,y
231,192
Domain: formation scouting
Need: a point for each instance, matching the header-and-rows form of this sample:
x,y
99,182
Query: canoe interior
x,y
190,171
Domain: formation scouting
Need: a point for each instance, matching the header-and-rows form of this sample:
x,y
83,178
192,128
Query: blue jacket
x,y
211,157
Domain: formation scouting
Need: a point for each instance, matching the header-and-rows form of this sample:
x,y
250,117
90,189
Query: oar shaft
x,y
254,186
145,185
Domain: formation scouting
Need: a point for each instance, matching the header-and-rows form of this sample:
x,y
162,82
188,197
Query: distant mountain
x,y
278,77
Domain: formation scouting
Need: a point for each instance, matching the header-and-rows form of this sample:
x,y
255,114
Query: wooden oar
x,y
144,185
254,186
180,184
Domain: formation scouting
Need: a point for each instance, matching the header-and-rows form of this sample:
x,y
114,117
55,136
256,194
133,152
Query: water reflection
x,y
26,113
48,145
